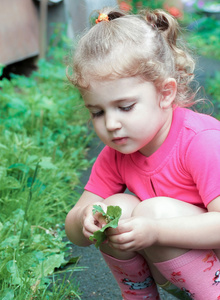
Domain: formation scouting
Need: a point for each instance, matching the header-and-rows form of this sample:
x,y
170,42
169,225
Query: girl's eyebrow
x,y
91,106
131,99
127,99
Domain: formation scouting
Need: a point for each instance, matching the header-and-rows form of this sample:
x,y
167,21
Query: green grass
x,y
212,88
43,144
204,38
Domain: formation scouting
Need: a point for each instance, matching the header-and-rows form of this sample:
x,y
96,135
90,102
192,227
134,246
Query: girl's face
x,y
129,115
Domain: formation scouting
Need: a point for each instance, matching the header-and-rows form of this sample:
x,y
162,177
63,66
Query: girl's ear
x,y
168,93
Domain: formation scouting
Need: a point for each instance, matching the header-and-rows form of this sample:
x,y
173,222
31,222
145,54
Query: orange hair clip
x,y
102,17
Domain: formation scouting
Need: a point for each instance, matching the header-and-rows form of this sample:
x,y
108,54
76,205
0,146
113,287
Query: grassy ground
x,y
43,145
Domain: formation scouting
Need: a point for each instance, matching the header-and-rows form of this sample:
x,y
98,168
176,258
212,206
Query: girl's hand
x,y
90,222
133,234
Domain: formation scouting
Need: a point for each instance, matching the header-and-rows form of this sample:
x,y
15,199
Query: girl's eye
x,y
127,108
97,114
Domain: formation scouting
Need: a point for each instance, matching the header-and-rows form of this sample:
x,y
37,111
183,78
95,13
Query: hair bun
x,y
160,19
115,15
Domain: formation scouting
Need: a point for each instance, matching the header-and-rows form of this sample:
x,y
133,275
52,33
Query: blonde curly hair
x,y
145,45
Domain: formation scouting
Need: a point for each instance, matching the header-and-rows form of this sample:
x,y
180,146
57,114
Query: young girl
x,y
135,81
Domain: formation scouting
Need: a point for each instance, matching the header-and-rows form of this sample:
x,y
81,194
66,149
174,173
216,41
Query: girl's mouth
x,y
120,141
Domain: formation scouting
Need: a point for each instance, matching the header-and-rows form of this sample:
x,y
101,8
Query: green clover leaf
x,y
112,217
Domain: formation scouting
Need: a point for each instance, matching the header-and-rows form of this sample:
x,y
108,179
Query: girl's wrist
x,y
152,232
164,232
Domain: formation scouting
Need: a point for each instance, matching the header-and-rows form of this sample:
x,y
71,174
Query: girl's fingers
x,y
125,244
123,226
90,229
99,220
132,235
121,238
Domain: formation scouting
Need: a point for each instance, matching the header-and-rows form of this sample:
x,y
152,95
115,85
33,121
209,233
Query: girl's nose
x,y
112,123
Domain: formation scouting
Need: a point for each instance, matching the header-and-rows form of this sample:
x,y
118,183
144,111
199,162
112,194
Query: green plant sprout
x,y
112,217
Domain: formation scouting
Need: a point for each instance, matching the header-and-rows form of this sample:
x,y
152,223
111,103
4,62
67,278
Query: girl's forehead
x,y
117,90
122,82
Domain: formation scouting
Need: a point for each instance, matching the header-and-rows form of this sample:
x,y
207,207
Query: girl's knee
x,y
164,207
127,203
